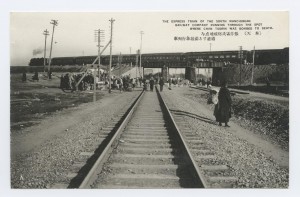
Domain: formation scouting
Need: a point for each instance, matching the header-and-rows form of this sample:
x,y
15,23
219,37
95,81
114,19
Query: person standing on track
x,y
151,84
223,112
170,84
161,84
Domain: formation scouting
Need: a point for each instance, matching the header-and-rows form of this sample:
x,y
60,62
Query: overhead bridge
x,y
190,68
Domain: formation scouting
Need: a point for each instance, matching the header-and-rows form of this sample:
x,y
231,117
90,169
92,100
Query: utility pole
x,y
54,23
130,59
241,59
253,63
45,33
98,36
141,32
136,63
120,63
110,57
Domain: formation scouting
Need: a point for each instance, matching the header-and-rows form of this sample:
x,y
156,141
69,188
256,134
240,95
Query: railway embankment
x,y
266,115
257,161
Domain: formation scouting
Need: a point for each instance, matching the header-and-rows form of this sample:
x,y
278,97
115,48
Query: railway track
x,y
149,146
147,151
233,92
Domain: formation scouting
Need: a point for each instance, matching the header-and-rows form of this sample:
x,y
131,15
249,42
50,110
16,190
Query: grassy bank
x,y
266,117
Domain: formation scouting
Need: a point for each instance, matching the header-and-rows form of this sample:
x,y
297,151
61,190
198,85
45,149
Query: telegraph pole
x,y
99,35
141,32
45,33
130,59
54,23
241,59
120,62
253,63
110,57
136,63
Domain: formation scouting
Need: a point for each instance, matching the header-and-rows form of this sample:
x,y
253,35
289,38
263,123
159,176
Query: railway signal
x,y
54,23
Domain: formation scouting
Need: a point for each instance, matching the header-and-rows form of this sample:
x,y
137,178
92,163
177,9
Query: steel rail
x,y
88,180
195,170
230,90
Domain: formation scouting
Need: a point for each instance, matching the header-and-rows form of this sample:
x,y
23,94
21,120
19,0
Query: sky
x,y
74,34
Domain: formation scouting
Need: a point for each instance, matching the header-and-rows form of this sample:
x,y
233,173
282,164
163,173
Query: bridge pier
x,y
217,76
190,73
165,73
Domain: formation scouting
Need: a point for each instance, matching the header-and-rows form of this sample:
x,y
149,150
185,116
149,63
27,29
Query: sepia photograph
x,y
149,100
159,98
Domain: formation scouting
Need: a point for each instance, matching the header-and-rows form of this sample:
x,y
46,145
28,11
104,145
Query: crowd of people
x,y
149,83
220,98
207,82
68,81
124,83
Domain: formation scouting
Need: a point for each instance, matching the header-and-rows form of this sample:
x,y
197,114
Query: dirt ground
x,y
40,110
38,102
53,116
264,142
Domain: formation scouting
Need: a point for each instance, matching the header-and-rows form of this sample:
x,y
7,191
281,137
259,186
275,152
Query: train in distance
x,y
262,57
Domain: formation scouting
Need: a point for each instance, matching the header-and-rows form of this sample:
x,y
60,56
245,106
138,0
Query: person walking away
x,y
224,105
120,84
145,84
161,84
151,84
140,80
133,81
170,84
50,74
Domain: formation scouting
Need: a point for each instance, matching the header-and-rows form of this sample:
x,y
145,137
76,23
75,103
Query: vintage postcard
x,y
149,100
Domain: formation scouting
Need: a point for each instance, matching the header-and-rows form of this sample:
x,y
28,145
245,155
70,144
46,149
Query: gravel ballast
x,y
246,161
49,162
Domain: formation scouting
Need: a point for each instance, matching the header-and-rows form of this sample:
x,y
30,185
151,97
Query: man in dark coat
x,y
161,84
151,83
223,112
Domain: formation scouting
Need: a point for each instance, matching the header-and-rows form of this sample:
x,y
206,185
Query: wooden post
x,y
110,56
94,97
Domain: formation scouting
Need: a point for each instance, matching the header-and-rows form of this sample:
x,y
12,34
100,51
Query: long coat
x,y
223,109
161,82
